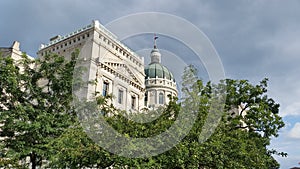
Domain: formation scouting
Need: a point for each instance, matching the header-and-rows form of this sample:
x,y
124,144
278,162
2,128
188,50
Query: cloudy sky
x,y
254,39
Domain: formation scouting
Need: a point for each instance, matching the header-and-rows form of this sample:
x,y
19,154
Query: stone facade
x,y
117,69
160,82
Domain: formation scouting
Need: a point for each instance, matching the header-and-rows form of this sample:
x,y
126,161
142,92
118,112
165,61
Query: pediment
x,y
124,70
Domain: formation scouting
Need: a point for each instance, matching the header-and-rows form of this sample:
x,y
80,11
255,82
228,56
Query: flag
x,y
155,37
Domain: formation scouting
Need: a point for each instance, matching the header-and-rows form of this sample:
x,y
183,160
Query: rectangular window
x,y
161,98
146,98
105,89
120,96
133,102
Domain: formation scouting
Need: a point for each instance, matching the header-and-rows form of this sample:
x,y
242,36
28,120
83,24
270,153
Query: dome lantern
x,y
155,54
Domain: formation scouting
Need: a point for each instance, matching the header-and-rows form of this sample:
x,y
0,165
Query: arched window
x,y
161,98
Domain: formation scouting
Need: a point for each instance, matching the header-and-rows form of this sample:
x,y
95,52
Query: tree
x,y
39,122
74,149
248,121
242,135
35,106
240,139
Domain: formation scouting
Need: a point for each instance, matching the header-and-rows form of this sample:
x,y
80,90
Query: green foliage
x,y
39,124
74,149
35,106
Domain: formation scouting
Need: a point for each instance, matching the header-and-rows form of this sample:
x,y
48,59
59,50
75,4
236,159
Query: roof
x,y
157,70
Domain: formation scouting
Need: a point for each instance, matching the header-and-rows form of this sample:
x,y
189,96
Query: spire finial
x,y
155,37
155,55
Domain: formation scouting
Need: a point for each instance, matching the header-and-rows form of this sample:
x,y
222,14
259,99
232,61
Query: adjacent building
x,y
14,51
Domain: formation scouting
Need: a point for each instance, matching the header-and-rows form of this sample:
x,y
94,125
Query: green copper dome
x,y
154,70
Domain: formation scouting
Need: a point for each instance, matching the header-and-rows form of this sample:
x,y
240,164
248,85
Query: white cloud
x,y
255,39
284,89
295,131
292,109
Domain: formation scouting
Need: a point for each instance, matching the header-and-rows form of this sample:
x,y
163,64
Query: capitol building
x,y
116,69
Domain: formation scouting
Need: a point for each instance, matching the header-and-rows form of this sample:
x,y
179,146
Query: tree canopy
x,y
39,125
35,106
